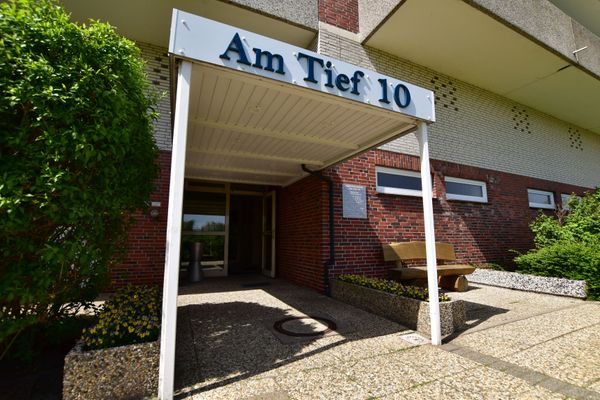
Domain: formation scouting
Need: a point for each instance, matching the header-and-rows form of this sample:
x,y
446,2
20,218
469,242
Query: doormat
x,y
256,284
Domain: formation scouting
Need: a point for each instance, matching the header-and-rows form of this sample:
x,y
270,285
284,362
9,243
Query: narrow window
x,y
465,190
566,198
398,181
540,199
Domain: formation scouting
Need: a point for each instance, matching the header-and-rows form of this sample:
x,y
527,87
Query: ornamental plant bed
x,y
118,357
410,312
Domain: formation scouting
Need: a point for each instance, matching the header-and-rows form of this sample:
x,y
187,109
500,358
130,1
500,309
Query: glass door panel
x,y
205,222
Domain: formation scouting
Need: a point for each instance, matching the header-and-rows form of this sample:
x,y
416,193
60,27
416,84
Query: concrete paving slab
x,y
490,344
317,355
488,383
394,372
541,328
251,388
572,358
322,383
441,390
271,396
518,346
506,305
430,390
356,348
595,386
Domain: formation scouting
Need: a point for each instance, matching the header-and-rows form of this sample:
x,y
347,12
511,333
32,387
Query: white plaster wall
x,y
479,128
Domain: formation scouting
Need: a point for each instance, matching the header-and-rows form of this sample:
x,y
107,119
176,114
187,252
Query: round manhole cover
x,y
304,326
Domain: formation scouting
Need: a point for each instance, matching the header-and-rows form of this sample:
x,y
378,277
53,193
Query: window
x,y
566,198
540,199
465,190
398,181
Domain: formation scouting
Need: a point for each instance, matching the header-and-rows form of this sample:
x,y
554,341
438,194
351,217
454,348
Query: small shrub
x,y
132,315
568,244
565,260
77,157
392,287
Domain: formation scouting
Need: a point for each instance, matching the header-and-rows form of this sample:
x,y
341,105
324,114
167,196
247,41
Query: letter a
x,y
237,47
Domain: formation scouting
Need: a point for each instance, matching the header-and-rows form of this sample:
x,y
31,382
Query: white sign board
x,y
354,200
205,40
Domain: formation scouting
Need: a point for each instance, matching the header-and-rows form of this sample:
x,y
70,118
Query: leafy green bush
x,y
77,156
565,260
392,287
568,246
132,315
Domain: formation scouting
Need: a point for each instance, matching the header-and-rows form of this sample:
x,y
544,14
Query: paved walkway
x,y
516,345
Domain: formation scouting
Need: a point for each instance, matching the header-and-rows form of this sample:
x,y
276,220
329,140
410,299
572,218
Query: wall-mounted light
x,y
154,213
154,210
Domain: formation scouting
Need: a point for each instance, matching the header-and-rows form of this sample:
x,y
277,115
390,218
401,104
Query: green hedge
x,y
132,315
388,286
77,157
565,260
568,244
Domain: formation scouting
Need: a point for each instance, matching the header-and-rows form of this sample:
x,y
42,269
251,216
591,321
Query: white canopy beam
x,y
171,280
432,278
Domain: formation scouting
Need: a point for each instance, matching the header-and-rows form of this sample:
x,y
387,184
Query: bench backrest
x,y
416,250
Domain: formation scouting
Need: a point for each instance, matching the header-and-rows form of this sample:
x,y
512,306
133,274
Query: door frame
x,y
268,270
226,189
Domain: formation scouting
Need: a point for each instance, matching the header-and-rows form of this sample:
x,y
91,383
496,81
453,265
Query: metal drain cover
x,y
415,339
308,326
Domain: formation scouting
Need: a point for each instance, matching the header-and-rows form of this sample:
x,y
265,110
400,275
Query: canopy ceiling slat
x,y
245,129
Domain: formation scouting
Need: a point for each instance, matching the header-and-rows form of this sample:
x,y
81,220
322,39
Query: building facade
x,y
516,131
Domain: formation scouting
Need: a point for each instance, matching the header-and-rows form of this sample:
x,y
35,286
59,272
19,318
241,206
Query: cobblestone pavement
x,y
250,338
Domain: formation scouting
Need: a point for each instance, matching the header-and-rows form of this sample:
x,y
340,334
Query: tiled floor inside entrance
x,y
259,338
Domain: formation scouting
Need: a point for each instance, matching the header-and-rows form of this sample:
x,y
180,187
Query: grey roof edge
x,y
547,25
301,13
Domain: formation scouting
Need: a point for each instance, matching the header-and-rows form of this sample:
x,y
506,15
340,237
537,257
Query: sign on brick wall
x,y
354,200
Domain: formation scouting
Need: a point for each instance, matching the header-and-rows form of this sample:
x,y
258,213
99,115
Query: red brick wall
x,y
302,241
480,232
145,259
340,13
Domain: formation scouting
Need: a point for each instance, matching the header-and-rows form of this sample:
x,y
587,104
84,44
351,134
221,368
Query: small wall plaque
x,y
354,198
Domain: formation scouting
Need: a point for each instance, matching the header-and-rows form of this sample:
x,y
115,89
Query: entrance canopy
x,y
260,108
252,109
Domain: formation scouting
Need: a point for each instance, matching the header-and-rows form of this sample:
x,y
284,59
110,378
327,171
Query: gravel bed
x,y
531,283
126,372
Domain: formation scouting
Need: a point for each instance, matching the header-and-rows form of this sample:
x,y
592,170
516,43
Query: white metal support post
x,y
171,280
432,278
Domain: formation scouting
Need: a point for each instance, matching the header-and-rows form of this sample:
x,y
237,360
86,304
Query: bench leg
x,y
457,283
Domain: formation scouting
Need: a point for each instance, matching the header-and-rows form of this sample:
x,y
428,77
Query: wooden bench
x,y
450,277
